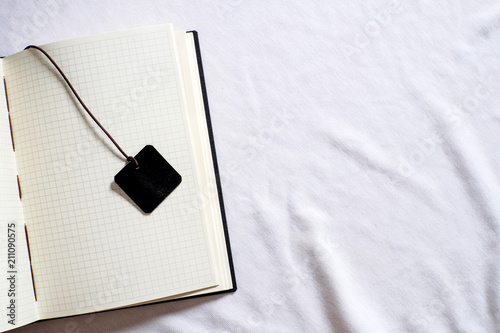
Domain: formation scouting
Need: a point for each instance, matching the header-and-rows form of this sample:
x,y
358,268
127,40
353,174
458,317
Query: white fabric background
x,y
358,145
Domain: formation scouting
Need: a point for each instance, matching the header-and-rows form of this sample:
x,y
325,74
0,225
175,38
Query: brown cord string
x,y
128,157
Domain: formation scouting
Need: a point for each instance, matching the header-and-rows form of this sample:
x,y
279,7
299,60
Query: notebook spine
x,y
19,184
29,255
8,111
19,188
11,132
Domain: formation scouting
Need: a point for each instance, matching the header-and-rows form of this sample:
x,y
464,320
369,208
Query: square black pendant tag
x,y
151,182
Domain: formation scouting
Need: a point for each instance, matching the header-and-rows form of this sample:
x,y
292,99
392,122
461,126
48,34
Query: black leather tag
x,y
150,183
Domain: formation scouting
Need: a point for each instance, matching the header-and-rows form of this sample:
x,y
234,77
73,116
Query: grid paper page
x,y
12,214
92,248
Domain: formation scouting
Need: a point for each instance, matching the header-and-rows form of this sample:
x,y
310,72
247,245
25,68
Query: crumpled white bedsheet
x,y
359,148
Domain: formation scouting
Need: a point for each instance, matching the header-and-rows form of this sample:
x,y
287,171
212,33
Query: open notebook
x,y
91,248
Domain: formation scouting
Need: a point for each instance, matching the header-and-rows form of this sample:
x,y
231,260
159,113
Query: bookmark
x,y
147,178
